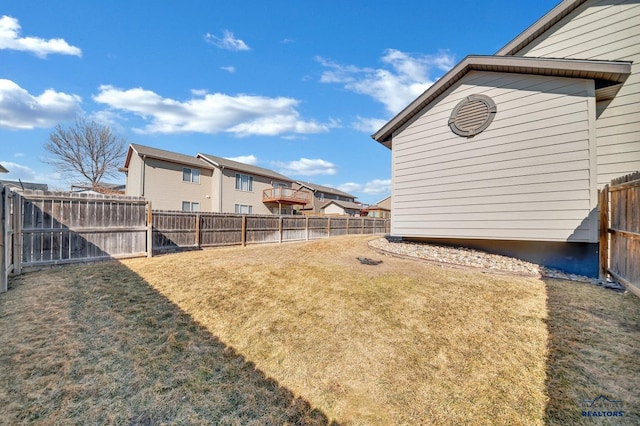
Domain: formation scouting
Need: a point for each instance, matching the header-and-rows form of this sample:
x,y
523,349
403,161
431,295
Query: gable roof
x,y
326,189
383,200
161,154
241,167
554,16
607,74
344,204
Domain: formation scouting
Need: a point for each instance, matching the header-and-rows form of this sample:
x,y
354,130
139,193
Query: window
x,y
244,209
190,175
244,183
190,206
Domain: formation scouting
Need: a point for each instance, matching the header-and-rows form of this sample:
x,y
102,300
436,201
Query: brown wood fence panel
x,y
294,228
622,220
220,230
339,226
318,227
59,227
262,229
175,230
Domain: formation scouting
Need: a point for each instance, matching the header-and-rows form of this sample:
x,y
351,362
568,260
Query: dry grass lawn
x,y
302,333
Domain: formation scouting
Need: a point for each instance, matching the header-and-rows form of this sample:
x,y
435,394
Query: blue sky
x,y
291,85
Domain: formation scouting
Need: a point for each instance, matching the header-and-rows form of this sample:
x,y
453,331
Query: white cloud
x,y
21,110
373,187
10,39
229,69
210,113
18,155
306,167
228,41
403,78
245,159
369,125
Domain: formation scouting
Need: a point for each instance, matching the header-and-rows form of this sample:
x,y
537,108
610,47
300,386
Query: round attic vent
x,y
472,115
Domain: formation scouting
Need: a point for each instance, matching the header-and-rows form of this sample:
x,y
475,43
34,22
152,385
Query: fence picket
x,y
623,228
48,228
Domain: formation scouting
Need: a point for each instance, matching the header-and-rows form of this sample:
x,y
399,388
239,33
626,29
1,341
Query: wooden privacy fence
x,y
175,229
620,231
42,228
60,227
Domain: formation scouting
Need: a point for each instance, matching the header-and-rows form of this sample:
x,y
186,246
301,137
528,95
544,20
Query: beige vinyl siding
x,y
133,187
164,186
231,196
604,30
525,177
333,209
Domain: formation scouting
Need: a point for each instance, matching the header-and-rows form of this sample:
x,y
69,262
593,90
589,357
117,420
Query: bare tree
x,y
86,151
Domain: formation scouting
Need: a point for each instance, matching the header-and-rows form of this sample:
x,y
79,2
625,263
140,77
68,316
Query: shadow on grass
x,y
593,350
103,346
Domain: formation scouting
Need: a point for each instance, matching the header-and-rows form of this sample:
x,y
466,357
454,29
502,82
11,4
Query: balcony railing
x,y
284,195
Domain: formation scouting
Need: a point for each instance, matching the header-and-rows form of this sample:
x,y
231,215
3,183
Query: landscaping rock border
x,y
477,259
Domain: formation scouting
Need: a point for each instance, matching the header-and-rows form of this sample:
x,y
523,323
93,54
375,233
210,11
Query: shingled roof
x,y
326,189
241,167
161,154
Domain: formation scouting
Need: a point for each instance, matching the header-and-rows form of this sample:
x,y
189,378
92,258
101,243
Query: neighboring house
x,y
19,185
321,194
385,203
341,208
380,209
507,152
173,181
243,188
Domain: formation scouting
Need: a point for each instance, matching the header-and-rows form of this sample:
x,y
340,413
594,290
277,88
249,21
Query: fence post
x,y
329,227
280,229
243,238
603,206
17,234
361,226
348,220
149,230
197,230
306,228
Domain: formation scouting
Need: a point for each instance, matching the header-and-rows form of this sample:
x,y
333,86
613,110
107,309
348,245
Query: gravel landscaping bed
x,y
471,258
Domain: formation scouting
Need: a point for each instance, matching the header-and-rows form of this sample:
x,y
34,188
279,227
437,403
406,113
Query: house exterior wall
x,y
386,203
231,196
319,198
604,30
163,185
334,209
526,177
133,187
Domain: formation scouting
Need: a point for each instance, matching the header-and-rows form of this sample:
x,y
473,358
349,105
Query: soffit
x,y
610,73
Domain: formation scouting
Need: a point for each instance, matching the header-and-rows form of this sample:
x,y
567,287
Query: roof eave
x,y
615,72
539,27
